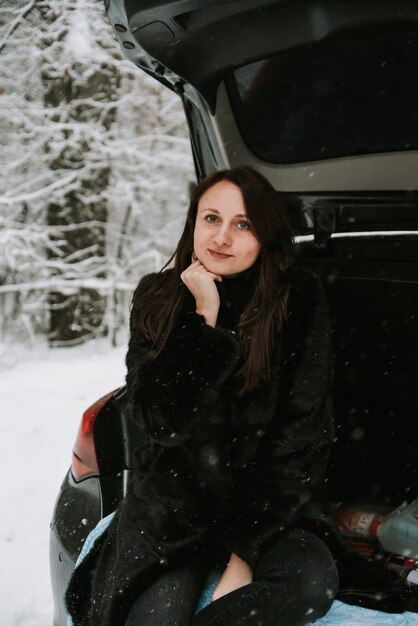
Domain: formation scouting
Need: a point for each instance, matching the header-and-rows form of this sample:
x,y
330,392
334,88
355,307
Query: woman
x,y
229,380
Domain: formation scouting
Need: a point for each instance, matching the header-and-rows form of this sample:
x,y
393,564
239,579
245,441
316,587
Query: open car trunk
x,y
322,98
369,267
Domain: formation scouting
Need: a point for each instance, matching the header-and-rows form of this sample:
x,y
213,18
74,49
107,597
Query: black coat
x,y
215,470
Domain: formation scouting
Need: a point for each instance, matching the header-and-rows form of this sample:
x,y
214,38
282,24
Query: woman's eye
x,y
243,226
211,219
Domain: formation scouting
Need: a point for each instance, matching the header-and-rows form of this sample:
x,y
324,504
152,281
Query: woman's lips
x,y
218,255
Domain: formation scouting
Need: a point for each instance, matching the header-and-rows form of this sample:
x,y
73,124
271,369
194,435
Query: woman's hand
x,y
201,284
237,574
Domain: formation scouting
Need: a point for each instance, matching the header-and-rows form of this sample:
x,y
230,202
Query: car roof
x,y
208,51
199,41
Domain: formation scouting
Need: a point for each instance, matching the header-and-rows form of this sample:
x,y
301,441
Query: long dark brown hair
x,y
155,308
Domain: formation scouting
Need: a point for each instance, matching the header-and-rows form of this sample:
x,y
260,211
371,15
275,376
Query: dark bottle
x,y
358,520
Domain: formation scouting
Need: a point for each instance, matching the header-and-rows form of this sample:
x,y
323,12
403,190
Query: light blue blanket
x,y
340,614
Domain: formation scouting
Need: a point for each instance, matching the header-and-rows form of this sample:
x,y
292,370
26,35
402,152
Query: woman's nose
x,y
222,236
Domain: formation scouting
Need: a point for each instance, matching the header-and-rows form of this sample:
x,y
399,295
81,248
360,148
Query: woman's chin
x,y
212,265
220,267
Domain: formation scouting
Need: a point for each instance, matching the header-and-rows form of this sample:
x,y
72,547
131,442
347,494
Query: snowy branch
x,y
39,193
21,14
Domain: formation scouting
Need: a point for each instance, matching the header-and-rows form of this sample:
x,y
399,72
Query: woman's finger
x,y
199,268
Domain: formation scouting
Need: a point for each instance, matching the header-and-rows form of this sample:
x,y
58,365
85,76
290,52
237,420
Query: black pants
x,y
294,584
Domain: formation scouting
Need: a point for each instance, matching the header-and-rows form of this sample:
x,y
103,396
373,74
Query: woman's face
x,y
223,240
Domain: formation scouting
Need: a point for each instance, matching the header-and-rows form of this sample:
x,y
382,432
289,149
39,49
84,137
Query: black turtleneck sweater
x,y
235,293
213,467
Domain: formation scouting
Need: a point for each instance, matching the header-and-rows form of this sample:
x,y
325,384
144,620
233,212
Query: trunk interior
x,y
371,278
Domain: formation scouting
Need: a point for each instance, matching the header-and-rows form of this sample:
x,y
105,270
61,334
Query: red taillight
x,y
84,460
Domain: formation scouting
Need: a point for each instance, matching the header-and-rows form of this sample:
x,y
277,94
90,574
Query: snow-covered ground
x,y
42,399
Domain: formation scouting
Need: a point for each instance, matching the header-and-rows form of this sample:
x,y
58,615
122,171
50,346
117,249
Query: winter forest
x,y
96,168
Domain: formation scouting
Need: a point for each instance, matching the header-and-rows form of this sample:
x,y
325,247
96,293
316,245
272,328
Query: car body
x,y
322,98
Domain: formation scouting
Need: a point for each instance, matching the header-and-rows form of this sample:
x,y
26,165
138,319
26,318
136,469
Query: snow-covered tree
x,y
96,161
